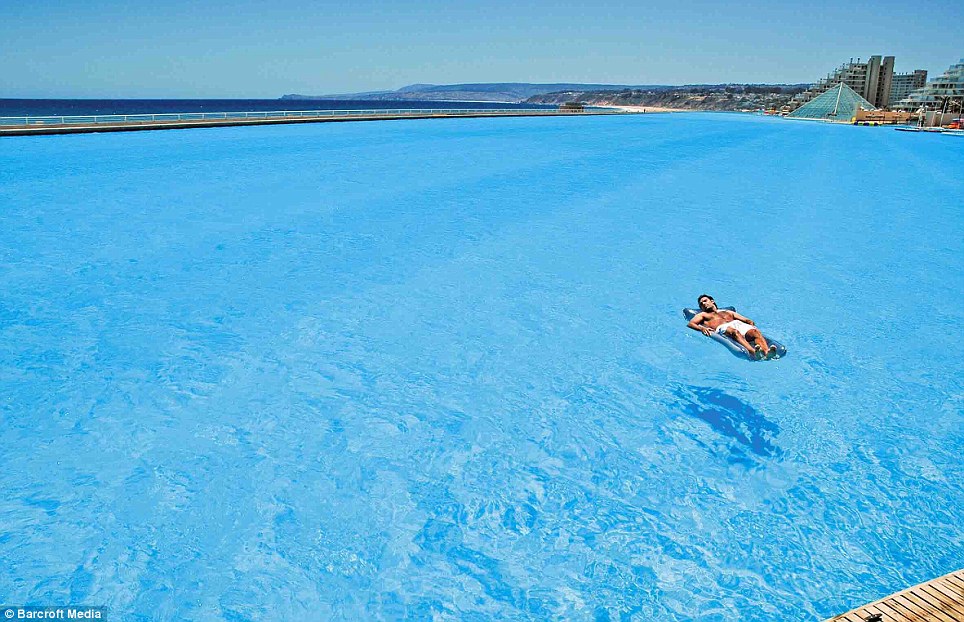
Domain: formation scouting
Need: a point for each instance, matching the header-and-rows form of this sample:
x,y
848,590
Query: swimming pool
x,y
439,368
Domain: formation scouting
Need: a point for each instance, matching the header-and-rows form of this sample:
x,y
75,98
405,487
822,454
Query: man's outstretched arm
x,y
697,324
743,318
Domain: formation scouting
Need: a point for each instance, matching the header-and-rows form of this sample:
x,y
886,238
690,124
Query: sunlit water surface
x,y
438,368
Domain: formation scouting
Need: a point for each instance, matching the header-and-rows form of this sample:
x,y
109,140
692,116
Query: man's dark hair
x,y
702,296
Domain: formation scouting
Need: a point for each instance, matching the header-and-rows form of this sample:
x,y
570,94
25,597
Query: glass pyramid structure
x,y
840,103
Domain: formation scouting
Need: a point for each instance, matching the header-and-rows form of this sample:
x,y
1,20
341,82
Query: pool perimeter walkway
x,y
940,600
121,124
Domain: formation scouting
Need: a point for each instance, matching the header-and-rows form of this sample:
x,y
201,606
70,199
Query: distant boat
x,y
927,130
920,126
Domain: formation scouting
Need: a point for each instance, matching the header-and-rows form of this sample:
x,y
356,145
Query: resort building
x,y
944,93
871,80
881,117
903,84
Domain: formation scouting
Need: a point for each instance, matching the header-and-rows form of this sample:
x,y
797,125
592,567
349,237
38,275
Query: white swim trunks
x,y
742,327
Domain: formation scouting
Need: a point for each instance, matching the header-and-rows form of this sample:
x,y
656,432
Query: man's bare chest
x,y
720,317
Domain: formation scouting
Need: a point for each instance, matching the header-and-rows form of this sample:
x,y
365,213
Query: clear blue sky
x,y
253,48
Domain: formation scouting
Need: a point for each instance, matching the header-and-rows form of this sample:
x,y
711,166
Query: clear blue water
x,y
82,107
438,368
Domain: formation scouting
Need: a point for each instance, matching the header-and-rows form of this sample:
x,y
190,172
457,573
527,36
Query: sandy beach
x,y
641,108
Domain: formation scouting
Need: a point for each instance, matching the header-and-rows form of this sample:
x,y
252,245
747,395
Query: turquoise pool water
x,y
438,368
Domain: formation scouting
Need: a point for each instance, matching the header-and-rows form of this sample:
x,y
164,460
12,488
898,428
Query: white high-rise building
x,y
945,92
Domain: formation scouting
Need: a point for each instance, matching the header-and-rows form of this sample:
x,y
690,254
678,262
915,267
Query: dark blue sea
x,y
82,107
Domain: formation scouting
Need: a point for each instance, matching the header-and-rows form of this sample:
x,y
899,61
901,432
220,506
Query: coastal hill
x,y
688,97
506,92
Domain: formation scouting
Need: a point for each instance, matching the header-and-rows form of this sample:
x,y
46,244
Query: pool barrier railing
x,y
106,122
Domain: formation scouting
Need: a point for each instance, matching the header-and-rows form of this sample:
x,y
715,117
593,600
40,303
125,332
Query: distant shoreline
x,y
640,108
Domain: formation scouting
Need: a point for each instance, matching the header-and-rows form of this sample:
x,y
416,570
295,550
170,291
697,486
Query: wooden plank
x,y
938,600
950,580
900,613
956,582
952,603
885,614
946,603
952,592
924,608
925,611
888,614
926,605
942,604
862,613
942,595
958,585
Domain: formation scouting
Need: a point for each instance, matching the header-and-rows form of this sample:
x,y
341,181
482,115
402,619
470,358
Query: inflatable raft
x,y
735,347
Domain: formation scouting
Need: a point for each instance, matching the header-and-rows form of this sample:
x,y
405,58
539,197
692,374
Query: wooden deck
x,y
940,600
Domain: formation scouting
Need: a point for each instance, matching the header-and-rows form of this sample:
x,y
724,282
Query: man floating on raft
x,y
729,323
